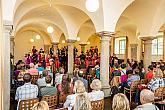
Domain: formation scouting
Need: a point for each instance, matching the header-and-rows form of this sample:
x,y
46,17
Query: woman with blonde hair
x,y
43,105
120,102
74,99
96,93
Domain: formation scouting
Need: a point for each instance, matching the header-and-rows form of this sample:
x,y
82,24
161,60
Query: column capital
x,y
105,33
70,40
8,28
82,44
55,43
146,38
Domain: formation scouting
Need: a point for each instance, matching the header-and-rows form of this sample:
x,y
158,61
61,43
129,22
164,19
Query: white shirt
x,y
58,78
96,95
70,101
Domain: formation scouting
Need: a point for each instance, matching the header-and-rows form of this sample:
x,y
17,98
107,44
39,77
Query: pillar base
x,y
106,90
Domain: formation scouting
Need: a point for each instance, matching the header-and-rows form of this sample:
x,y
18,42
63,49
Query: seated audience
x,y
80,74
150,74
96,93
147,99
32,70
27,91
41,81
75,74
48,90
157,81
43,105
66,87
58,77
120,102
116,71
79,89
82,65
82,103
135,76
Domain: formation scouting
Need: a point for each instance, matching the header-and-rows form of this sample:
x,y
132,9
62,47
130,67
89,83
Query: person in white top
x,y
58,77
96,93
79,89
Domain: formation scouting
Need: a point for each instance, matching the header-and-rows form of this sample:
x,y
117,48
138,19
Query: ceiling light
x,y
92,5
88,43
38,37
50,29
31,40
63,41
78,38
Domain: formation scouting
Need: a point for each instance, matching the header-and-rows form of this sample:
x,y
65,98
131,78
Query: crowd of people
x,y
80,89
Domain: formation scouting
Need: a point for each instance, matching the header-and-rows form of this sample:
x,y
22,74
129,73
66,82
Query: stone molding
x,y
71,41
105,33
146,38
55,43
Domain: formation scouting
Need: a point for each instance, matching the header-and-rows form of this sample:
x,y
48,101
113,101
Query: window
x,y
120,45
157,46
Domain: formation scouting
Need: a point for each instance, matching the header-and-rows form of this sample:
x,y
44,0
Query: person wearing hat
x,y
96,93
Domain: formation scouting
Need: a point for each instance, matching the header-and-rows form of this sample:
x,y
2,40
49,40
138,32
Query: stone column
x,y
70,55
147,50
55,46
126,50
1,61
83,47
46,48
12,44
6,61
164,46
104,63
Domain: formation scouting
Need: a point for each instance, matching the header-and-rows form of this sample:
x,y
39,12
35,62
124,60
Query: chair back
x,y
97,105
159,92
144,81
134,85
62,98
34,79
27,104
51,100
62,109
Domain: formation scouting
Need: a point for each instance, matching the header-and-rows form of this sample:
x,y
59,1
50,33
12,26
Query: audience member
x,y
32,70
83,80
150,74
48,90
146,99
82,103
157,81
58,77
41,81
120,102
96,93
79,89
27,91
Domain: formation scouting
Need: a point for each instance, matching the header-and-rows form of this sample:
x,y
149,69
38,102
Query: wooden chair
x,y
27,104
158,93
97,105
51,100
143,81
62,98
34,79
132,89
62,109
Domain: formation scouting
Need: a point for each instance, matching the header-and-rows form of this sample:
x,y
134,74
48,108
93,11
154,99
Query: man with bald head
x,y
147,99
